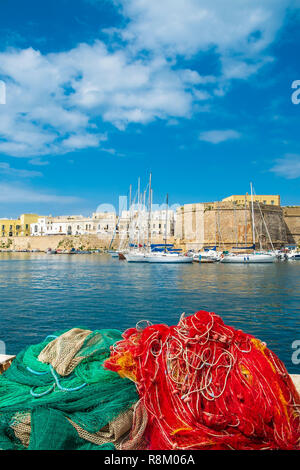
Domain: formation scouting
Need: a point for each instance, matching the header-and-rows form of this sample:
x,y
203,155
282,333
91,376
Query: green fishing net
x,y
90,396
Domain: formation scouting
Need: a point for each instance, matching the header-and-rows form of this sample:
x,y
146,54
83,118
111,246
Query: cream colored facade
x,y
100,223
267,199
17,227
106,224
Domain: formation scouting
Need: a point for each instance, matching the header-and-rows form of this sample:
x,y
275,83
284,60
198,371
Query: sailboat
x,y
208,255
249,258
138,252
166,256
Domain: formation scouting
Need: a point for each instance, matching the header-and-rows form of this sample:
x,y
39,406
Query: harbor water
x,y
42,293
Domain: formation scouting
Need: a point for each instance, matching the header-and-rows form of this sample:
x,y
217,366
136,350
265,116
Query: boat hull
x,y
169,259
249,259
135,258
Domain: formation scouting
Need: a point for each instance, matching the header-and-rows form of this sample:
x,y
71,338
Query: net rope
x,y
42,409
205,385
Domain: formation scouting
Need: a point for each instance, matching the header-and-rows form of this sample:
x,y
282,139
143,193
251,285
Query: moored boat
x,y
168,258
248,258
293,255
135,257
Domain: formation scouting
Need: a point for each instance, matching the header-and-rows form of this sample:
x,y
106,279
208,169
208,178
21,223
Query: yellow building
x,y
268,199
17,227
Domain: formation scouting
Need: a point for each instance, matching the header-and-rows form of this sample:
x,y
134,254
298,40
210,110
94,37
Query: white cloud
x,y
54,101
7,170
25,195
81,141
187,26
288,166
38,162
218,136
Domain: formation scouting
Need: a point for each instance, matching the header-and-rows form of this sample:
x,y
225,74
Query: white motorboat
x,y
248,258
162,257
207,256
136,257
293,255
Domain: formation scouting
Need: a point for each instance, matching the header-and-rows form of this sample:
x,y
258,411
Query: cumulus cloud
x,y
186,26
218,136
24,195
53,100
288,166
7,170
58,102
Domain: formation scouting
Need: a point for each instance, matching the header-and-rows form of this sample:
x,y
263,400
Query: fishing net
x,y
136,439
206,385
68,401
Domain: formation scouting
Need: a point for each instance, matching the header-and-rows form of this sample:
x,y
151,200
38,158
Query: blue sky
x,y
99,92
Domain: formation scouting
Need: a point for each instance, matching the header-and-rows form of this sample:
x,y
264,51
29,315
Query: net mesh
x,y
206,385
43,409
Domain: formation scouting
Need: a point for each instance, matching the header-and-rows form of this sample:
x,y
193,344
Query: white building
x,y
74,225
131,223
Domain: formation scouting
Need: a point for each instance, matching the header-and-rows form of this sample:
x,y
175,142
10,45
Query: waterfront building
x,y
291,216
107,224
17,227
104,223
63,225
266,199
138,222
226,224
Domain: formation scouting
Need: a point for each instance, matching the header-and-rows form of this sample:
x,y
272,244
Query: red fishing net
x,y
206,385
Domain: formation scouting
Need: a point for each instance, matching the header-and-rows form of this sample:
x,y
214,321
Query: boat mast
x,y
149,210
166,227
138,213
252,208
129,224
246,209
266,227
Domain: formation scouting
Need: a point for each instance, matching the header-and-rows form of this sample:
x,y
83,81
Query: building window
x,y
272,202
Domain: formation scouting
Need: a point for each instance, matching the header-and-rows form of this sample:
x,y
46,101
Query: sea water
x,y
42,293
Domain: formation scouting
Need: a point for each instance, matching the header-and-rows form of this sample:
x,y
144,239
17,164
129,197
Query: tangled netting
x,y
207,386
68,401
